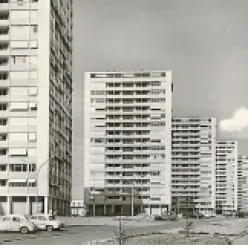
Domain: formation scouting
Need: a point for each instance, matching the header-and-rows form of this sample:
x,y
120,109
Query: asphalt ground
x,y
77,235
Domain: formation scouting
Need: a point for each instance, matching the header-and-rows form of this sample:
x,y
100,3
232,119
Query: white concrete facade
x,y
127,135
243,183
32,163
193,164
226,177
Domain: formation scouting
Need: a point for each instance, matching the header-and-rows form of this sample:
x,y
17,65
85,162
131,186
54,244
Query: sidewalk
x,y
103,221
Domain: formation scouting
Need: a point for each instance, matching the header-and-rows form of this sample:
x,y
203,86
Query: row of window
x,y
22,184
133,84
127,93
128,75
18,167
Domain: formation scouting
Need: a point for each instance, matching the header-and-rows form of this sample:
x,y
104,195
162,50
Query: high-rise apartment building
x,y
226,177
193,164
127,149
243,183
35,106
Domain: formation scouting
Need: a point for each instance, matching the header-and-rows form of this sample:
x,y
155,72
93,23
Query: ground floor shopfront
x,y
28,205
115,210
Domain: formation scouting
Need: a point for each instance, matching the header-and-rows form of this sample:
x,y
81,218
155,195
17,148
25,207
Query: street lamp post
x,y
37,184
132,200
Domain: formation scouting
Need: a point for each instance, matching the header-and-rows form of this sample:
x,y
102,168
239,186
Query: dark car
x,y
195,215
167,216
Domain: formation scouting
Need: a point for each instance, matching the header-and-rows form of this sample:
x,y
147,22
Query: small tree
x,y
188,226
120,235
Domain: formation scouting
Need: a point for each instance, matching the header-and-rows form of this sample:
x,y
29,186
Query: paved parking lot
x,y
73,235
76,235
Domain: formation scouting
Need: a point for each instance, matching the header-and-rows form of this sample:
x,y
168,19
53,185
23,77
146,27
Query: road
x,y
241,241
76,235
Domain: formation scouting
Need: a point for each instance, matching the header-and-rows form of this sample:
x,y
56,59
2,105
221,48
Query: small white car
x,y
46,222
16,223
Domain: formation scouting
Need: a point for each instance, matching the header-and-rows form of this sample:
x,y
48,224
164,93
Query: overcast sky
x,y
203,42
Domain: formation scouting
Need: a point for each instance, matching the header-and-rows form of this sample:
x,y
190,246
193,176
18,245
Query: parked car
x,y
194,215
47,222
167,216
197,216
208,215
16,223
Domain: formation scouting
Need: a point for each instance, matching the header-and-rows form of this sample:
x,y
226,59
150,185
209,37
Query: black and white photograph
x,y
123,122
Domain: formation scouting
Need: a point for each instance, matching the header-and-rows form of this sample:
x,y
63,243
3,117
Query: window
x,y
156,83
52,217
3,106
18,167
3,122
16,219
3,167
32,184
19,59
7,218
33,106
3,137
3,91
34,29
2,183
41,217
21,184
32,167
97,92
3,76
3,152
19,2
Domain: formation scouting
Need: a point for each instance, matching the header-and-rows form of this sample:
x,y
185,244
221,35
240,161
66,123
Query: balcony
x,y
3,190
4,22
4,65
4,51
4,7
3,159
20,67
3,143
